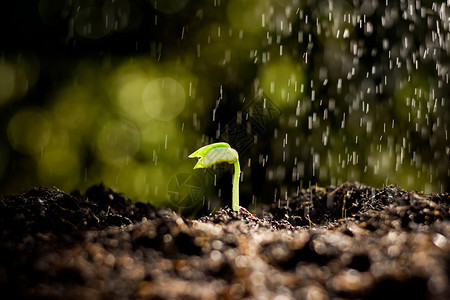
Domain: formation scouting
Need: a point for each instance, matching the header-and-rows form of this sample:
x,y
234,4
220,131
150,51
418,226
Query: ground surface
x,y
351,241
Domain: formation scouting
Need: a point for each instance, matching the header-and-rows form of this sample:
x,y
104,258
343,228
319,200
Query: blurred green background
x,y
309,92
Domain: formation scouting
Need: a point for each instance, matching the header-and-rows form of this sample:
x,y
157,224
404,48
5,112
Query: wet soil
x,y
351,241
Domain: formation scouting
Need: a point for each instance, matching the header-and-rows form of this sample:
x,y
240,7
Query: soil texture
x,y
351,241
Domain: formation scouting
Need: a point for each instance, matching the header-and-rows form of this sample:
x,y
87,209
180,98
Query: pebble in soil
x,y
351,241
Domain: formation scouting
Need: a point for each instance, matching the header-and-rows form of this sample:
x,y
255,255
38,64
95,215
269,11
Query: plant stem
x,y
237,174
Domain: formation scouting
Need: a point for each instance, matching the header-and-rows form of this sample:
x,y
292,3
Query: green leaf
x,y
214,154
218,153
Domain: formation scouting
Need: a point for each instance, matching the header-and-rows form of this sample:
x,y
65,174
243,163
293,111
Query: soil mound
x,y
352,241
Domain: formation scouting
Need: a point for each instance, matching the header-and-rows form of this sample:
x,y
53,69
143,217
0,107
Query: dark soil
x,y
352,241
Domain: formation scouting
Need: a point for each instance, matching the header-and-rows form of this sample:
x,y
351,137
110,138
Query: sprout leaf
x,y
217,153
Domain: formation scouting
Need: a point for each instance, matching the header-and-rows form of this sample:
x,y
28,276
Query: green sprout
x,y
217,153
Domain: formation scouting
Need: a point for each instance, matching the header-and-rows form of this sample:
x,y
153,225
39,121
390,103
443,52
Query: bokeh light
x,y
93,20
29,130
73,109
130,97
118,141
18,74
163,98
60,167
283,80
7,82
249,15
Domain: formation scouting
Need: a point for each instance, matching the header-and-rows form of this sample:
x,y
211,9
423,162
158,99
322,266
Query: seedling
x,y
217,153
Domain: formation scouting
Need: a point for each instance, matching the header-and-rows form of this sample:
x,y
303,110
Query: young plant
x,y
218,153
